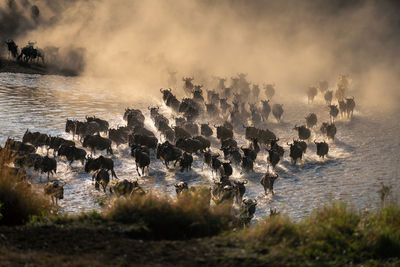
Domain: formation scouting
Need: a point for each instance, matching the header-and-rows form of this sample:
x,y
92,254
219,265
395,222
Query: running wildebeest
x,y
329,129
226,170
223,132
269,90
206,130
215,163
322,148
100,163
12,48
240,189
36,139
142,158
333,112
192,128
303,131
103,124
342,108
55,189
323,86
189,145
97,142
205,143
296,152
265,110
224,105
255,114
102,178
188,85
350,104
311,93
247,210
328,97
142,139
273,157
168,152
185,162
127,188
247,164
46,165
120,135
72,153
277,111
311,120
268,181
56,142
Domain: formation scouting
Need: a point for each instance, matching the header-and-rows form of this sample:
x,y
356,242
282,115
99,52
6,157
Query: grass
x,y
20,201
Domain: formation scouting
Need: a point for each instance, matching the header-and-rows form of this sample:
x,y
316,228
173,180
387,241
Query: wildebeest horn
x,y
161,90
314,141
287,143
245,181
169,89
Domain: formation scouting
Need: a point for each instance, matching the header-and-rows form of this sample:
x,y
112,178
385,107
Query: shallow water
x,y
365,153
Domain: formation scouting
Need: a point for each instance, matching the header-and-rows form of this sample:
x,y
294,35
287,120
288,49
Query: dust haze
x,y
293,44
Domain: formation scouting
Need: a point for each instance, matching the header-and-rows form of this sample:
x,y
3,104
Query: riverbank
x,y
14,66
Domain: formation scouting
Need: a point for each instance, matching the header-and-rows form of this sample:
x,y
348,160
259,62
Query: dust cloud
x,y
294,44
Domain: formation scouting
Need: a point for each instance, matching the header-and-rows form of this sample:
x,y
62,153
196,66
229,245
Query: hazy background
x,y
294,44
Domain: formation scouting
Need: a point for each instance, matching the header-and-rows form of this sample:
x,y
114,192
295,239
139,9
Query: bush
x,y
20,200
187,216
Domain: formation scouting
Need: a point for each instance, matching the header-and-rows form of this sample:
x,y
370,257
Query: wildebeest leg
x,y
137,169
143,170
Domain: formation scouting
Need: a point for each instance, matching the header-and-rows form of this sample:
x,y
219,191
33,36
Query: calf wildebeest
x,y
192,128
247,210
144,140
223,132
322,149
100,163
97,142
120,135
255,114
185,162
127,188
240,189
333,112
189,145
72,153
303,131
55,189
206,130
277,111
311,120
142,158
46,165
296,152
247,164
328,97
265,110
102,178
205,143
168,152
181,187
36,139
102,124
350,104
268,181
269,90
56,142
311,93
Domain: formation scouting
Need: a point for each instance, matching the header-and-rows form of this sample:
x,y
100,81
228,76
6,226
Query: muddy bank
x,y
13,66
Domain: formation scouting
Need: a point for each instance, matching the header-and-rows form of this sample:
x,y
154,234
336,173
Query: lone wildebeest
x,y
268,181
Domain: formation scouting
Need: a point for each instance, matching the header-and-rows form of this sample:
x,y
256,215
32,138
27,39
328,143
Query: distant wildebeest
x,y
265,110
192,128
247,164
333,112
255,114
311,93
277,111
350,104
268,181
296,152
328,97
185,162
269,90
311,120
303,132
329,129
188,85
12,48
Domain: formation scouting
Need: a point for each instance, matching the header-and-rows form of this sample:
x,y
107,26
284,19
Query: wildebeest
x,y
185,162
215,163
232,154
301,144
55,143
181,187
198,94
311,120
328,97
323,86
277,111
223,194
97,142
350,104
303,131
213,97
100,163
265,110
212,110
247,210
189,145
47,165
273,157
333,112
269,90
36,139
224,106
228,143
145,140
119,135
55,189
342,108
72,153
102,124
226,170
12,48
126,188
240,189
154,111
81,128
168,152
296,152
255,114
102,178
205,143
19,147
311,93
181,133
322,149
329,129
268,181
206,130
247,164
277,148
142,158
223,132
207,157
192,128
188,85
180,121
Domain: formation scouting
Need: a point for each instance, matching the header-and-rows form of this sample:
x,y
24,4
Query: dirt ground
x,y
104,246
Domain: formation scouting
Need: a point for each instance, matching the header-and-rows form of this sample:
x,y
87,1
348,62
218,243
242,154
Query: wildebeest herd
x,y
27,54
197,123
